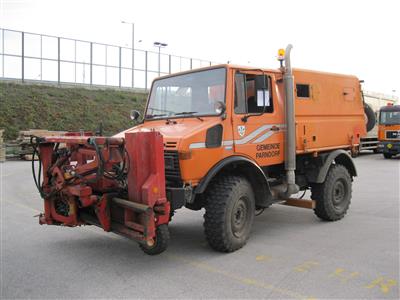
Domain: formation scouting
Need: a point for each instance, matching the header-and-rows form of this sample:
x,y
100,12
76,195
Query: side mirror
x,y
135,115
220,107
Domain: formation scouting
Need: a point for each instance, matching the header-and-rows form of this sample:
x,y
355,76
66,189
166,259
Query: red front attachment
x,y
117,184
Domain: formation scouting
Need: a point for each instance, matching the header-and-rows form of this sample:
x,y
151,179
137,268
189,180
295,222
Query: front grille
x,y
393,134
170,145
172,170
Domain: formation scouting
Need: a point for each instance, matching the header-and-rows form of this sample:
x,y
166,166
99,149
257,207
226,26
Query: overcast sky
x,y
351,37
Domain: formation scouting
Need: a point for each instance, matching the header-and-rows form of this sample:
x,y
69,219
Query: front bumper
x,y
392,147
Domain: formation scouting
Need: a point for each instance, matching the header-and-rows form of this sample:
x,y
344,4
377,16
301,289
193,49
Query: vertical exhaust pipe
x,y
290,153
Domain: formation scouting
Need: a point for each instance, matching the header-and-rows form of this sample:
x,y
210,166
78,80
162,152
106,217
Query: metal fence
x,y
38,57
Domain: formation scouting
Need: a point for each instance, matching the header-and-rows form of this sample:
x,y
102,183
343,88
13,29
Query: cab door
x,y
258,118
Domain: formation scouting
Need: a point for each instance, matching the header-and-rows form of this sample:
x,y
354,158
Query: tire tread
x,y
320,193
218,197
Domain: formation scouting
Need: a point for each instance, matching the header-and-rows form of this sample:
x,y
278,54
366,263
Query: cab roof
x,y
247,68
390,108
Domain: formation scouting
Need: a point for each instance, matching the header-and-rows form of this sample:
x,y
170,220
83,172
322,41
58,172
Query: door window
x,y
252,94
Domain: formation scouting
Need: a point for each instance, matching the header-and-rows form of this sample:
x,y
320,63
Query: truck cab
x,y
389,130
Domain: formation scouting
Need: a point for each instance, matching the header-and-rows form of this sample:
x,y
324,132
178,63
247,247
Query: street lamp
x,y
159,45
133,49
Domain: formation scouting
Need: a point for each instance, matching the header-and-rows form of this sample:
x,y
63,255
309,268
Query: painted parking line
x,y
243,280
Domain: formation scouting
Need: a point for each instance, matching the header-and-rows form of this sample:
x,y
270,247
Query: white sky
x,y
351,37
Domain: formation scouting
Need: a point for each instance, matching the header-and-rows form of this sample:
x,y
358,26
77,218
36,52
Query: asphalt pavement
x,y
291,254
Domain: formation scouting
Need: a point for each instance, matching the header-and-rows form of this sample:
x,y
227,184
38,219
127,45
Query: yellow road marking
x,y
263,258
341,274
384,284
238,278
306,266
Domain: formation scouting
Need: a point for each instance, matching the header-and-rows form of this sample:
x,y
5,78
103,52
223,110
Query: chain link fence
x,y
39,57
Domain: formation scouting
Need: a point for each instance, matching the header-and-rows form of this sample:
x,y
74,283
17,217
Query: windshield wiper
x,y
153,116
190,113
186,113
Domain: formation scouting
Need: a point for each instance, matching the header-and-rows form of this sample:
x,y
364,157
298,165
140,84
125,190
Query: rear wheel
x,y
160,243
229,213
333,195
387,155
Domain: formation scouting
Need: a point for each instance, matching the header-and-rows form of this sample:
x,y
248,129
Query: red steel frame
x,y
75,179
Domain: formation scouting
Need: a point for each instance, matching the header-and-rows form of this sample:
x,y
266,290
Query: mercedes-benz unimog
x,y
230,139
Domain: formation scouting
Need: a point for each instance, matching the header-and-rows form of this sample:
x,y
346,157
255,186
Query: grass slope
x,y
25,106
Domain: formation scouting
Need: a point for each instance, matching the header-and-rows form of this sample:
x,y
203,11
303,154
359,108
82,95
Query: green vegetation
x,y
28,106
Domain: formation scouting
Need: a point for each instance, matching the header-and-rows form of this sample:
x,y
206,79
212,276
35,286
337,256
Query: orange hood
x,y
176,129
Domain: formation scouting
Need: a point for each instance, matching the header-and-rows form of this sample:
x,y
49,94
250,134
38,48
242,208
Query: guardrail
x,y
30,56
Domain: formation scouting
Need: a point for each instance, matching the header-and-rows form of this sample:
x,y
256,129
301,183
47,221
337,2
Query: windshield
x,y
196,93
390,117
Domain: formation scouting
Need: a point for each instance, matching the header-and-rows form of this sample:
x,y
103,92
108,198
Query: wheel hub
x,y
339,194
239,217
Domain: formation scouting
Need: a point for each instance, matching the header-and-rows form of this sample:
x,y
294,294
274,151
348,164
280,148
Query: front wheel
x,y
160,243
333,196
230,208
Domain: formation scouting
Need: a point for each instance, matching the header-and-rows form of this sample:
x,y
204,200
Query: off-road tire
x,y
230,208
370,117
161,241
333,196
387,155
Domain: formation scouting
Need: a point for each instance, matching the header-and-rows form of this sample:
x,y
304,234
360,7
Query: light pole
x,y
133,50
159,45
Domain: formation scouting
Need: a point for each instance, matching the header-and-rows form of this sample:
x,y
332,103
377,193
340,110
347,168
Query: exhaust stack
x,y
290,154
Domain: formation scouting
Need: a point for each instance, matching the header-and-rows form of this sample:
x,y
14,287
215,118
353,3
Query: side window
x,y
240,93
252,94
303,90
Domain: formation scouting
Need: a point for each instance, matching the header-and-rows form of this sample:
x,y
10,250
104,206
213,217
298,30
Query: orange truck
x,y
389,130
234,141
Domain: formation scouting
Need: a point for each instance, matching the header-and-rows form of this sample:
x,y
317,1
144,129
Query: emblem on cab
x,y
241,130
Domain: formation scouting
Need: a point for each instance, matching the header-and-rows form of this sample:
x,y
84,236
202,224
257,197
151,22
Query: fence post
x,y
75,61
2,52
133,66
145,71
91,63
41,57
105,66
191,63
169,63
58,61
120,66
23,56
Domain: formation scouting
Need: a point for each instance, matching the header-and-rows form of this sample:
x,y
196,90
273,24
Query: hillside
x,y
28,106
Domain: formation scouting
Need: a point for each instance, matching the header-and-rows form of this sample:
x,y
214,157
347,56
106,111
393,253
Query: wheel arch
x,y
339,157
243,166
